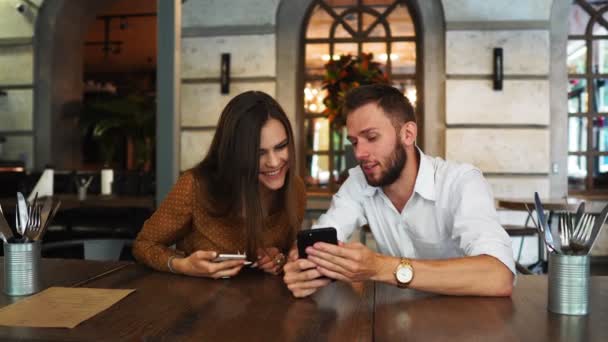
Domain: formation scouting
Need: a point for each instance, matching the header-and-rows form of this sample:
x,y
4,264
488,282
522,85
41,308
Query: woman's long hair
x,y
228,175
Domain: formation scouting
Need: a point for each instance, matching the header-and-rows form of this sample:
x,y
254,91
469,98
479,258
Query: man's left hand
x,y
351,262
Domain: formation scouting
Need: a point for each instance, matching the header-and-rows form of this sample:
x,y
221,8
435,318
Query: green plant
x,y
344,74
131,117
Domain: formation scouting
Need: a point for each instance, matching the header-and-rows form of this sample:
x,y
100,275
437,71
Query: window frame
x,y
590,77
388,39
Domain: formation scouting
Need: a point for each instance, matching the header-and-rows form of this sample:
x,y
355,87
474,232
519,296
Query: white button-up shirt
x,y
450,214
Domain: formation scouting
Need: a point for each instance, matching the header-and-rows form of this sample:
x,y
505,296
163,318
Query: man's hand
x,y
351,262
200,264
271,260
302,276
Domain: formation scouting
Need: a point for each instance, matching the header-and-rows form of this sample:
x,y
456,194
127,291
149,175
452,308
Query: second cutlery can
x,y
568,284
21,268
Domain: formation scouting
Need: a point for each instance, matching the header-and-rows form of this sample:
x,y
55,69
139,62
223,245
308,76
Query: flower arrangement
x,y
344,74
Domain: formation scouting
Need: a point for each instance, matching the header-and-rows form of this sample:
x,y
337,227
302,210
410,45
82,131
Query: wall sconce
x,y
498,68
24,5
225,73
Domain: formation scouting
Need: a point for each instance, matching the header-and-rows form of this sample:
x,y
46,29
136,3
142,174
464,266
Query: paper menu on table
x,y
60,307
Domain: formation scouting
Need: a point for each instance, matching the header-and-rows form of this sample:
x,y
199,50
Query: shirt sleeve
x,y
345,212
169,223
476,225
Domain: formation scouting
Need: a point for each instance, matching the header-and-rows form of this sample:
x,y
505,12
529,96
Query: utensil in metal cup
x,y
569,284
21,268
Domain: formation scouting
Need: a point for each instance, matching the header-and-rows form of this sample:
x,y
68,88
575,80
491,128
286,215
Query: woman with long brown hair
x,y
243,197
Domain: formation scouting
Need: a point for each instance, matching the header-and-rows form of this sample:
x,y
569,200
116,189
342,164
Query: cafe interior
x,y
104,104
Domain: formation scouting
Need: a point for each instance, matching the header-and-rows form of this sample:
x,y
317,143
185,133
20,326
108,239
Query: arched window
x,y
588,96
385,28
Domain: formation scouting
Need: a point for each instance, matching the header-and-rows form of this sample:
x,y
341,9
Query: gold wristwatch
x,y
404,273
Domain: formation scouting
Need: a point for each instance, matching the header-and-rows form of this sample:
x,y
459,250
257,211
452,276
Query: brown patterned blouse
x,y
182,220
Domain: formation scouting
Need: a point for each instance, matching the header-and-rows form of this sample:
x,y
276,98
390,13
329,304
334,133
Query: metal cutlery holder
x,y
22,268
568,284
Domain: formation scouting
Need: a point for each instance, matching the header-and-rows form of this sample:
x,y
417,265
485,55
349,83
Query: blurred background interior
x,y
517,88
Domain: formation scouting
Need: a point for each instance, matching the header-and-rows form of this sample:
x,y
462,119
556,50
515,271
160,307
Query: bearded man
x,y
433,220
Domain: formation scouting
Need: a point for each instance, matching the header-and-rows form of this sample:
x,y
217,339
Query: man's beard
x,y
396,162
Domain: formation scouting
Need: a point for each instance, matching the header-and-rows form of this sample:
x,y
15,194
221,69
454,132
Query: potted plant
x,y
344,74
130,118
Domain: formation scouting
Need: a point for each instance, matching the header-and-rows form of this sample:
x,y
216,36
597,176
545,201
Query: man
x,y
434,221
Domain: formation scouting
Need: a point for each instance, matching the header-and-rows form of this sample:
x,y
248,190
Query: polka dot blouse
x,y
182,220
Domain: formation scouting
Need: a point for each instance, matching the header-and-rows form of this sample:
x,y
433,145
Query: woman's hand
x,y
271,260
200,264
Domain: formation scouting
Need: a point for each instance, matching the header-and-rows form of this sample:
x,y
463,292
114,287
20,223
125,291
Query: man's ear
x,y
408,133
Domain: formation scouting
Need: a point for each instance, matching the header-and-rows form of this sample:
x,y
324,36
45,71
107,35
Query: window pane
x,y
577,167
600,134
378,3
599,29
339,139
600,95
319,24
577,57
313,97
407,87
403,57
577,134
379,51
600,56
345,49
577,20
341,3
317,168
341,32
577,95
401,22
377,31
317,134
316,57
352,19
600,172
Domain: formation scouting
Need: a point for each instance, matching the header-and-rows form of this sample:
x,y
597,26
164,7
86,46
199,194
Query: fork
x,y
582,232
564,228
33,223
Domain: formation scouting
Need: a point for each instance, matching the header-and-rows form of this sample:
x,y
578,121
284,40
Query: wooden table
x,y
258,307
65,272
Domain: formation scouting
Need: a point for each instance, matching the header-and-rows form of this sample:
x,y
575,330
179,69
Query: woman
x,y
243,197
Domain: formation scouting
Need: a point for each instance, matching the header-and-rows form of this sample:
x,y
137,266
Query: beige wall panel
x,y
251,56
16,64
500,150
475,102
194,146
496,10
470,52
202,103
14,24
203,13
16,110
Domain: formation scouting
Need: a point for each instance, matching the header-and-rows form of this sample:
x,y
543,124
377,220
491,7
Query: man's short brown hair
x,y
392,102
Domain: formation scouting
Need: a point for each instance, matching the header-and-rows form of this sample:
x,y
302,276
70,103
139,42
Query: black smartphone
x,y
310,236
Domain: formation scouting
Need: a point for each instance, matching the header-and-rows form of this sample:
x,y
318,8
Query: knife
x,y
579,213
5,229
22,205
542,222
47,207
43,228
597,227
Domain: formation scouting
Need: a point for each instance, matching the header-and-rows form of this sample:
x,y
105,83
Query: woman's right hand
x,y
200,264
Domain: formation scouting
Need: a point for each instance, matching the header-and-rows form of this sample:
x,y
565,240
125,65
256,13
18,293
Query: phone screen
x,y
310,236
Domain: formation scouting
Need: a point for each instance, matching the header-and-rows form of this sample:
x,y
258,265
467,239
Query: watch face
x,y
405,274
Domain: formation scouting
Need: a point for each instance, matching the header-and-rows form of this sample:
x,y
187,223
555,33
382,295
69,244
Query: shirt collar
x,y
425,180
